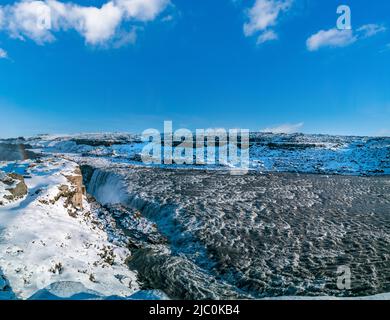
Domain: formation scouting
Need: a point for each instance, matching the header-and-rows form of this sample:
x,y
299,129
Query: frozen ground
x,y
310,204
321,154
44,238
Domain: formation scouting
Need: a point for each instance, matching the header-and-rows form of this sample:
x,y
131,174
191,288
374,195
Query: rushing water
x,y
201,235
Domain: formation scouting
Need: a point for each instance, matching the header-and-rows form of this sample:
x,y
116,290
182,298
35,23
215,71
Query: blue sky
x,y
261,64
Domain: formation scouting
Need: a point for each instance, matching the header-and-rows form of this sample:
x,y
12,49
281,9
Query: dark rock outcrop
x,y
12,152
15,185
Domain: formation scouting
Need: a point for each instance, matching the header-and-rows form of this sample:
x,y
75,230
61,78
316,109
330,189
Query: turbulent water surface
x,y
204,234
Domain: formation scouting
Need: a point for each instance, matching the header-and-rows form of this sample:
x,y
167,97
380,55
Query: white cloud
x,y
143,10
27,19
267,36
3,54
264,15
284,128
40,19
96,25
330,38
341,38
370,30
125,38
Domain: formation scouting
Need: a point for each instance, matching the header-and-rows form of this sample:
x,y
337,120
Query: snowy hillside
x,y
52,235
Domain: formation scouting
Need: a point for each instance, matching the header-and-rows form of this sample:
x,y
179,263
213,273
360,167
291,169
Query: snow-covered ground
x,y
268,152
56,242
45,239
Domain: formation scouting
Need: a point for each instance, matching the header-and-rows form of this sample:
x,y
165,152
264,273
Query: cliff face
x,y
72,192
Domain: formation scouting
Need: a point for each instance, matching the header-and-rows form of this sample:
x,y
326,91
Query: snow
x,y
48,251
68,290
3,189
304,153
41,243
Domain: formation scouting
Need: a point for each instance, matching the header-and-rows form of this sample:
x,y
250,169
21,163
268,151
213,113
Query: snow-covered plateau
x,y
320,154
81,217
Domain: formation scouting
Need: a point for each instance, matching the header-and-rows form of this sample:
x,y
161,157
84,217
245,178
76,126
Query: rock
x,y
97,143
15,186
20,190
87,173
19,151
73,194
136,157
77,183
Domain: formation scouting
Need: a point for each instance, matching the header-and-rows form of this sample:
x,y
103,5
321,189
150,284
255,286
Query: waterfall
x,y
107,187
171,259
